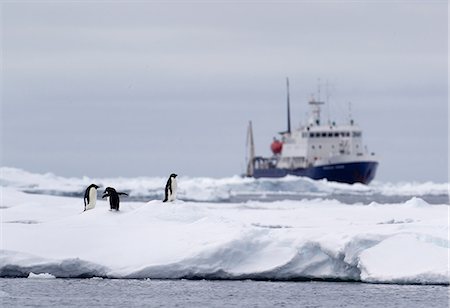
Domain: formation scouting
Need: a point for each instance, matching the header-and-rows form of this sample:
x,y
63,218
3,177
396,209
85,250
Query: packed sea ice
x,y
218,189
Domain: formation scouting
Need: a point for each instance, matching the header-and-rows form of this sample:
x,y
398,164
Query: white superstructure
x,y
316,144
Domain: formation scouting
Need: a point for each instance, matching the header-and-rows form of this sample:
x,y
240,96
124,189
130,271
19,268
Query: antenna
x,y
350,113
327,91
288,108
318,89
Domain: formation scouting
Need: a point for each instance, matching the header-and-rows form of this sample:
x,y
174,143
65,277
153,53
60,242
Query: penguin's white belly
x,y
92,199
173,195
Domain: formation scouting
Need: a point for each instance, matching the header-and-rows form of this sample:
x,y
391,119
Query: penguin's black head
x,y
93,186
173,175
109,190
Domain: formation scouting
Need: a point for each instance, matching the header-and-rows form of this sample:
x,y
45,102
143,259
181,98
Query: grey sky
x,y
147,88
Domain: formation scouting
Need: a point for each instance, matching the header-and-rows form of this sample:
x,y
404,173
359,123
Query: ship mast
x,y
315,108
288,108
250,150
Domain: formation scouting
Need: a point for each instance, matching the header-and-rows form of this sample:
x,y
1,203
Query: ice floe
x,y
281,240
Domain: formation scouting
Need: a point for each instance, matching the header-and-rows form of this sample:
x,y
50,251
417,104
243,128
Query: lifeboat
x,y
276,146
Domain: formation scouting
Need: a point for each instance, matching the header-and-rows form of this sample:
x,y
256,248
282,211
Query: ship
x,y
315,150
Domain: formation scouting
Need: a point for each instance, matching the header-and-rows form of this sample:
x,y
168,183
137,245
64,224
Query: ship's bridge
x,y
317,144
331,131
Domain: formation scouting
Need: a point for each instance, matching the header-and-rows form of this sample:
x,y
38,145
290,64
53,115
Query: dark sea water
x,y
201,293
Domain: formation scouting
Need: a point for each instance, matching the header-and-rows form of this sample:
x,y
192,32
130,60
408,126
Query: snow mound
x,y
427,261
41,276
283,240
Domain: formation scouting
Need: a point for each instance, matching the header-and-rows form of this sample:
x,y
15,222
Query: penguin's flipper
x,y
105,195
122,193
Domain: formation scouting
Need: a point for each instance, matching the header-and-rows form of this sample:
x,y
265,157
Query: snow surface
x,y
283,240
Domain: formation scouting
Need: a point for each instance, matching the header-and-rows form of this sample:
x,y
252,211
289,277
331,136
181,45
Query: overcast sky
x,y
148,88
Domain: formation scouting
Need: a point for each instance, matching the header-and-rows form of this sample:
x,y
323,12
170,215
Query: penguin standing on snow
x,y
90,197
171,188
113,197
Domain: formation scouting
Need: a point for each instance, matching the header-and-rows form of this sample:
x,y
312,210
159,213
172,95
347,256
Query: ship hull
x,y
353,172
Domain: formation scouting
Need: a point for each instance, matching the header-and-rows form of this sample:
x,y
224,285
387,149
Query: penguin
x,y
90,197
113,197
171,188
